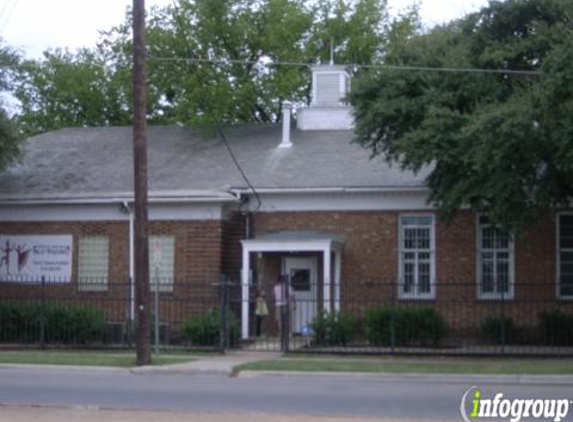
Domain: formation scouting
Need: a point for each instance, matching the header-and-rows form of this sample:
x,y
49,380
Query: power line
x,y
249,184
355,66
11,10
4,9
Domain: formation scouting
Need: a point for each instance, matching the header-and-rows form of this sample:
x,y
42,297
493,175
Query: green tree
x,y
209,61
499,143
69,89
9,136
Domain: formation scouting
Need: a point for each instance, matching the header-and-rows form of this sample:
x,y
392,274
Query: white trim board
x,y
107,212
343,201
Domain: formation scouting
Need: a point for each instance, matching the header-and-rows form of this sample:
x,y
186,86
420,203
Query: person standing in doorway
x,y
284,296
261,310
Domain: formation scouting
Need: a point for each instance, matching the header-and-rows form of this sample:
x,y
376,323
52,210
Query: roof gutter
x,y
385,189
123,200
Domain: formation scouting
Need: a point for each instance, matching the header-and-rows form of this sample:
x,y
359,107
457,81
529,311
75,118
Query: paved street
x,y
403,397
36,414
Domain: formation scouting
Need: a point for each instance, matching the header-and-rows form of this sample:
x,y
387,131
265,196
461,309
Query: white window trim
x,y
558,294
417,296
510,295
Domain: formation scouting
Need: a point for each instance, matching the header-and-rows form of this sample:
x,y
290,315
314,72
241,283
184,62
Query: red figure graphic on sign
x,y
23,255
6,256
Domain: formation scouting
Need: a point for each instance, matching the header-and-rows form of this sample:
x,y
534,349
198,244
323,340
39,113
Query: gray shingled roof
x,y
98,162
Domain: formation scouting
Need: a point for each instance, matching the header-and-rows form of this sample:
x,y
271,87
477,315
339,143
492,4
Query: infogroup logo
x,y
474,407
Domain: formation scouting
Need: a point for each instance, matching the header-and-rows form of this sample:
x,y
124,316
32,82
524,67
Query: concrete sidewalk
x,y
224,364
212,364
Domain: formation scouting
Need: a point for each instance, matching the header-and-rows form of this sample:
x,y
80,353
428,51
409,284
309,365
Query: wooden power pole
x,y
141,244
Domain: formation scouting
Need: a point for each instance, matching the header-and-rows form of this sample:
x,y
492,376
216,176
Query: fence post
x,y
156,309
285,314
43,314
503,339
224,322
131,319
393,315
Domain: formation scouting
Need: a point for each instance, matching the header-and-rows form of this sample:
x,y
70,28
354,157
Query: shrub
x,y
334,329
63,323
412,326
491,329
205,329
556,328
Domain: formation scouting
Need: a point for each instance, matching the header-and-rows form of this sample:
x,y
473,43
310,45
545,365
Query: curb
x,y
74,368
180,371
420,377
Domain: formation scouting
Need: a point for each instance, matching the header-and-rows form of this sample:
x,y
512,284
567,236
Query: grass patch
x,y
84,358
437,366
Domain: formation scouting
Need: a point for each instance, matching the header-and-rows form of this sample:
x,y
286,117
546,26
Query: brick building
x,y
351,231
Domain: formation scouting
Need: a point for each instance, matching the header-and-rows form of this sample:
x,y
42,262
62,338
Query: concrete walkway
x,y
212,364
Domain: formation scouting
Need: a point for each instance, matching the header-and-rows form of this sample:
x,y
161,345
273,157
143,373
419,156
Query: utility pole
x,y
141,255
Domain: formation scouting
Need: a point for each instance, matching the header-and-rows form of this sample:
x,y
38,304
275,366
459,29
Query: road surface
x,y
400,397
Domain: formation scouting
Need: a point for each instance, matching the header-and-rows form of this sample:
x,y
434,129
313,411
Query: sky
x,y
35,25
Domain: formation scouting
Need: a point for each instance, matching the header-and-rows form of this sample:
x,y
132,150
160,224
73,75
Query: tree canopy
x,y
499,143
209,61
9,136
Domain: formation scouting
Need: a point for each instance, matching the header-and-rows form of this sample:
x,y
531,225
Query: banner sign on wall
x,y
29,258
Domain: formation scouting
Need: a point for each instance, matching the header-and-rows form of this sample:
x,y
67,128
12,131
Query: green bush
x,y
205,329
19,322
419,326
63,323
491,329
556,328
334,329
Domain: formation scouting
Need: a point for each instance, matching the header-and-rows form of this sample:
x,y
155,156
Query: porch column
x,y
245,292
337,265
326,281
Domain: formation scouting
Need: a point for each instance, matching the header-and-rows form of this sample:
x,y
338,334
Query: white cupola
x,y
327,110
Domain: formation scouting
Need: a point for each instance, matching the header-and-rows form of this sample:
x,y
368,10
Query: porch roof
x,y
293,241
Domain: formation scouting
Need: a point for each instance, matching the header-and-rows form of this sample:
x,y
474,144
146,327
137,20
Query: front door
x,y
302,274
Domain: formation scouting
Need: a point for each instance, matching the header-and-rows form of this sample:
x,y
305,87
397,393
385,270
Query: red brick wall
x,y
370,262
205,249
197,266
198,244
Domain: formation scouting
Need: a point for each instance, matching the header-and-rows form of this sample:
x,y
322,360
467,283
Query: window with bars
x,y
93,260
565,256
162,271
417,263
495,261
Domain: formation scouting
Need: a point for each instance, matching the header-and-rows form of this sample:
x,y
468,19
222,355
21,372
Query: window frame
x,y
558,251
496,295
431,295
92,286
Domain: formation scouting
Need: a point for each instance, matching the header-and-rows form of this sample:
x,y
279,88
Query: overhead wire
x,y
243,174
8,16
355,66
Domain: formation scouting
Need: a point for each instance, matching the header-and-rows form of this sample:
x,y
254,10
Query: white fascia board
x,y
118,200
344,200
291,245
108,212
164,196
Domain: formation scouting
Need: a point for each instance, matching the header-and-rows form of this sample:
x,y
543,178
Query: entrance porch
x,y
312,262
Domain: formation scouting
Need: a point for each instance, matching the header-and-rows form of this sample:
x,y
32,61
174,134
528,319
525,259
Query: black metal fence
x,y
445,318
99,313
383,318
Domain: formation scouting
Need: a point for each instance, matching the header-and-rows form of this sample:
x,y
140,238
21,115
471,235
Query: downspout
x,y
129,211
247,282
